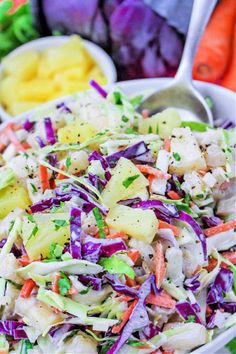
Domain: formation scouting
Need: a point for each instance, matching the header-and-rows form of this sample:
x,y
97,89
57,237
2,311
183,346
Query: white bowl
x,y
224,108
97,53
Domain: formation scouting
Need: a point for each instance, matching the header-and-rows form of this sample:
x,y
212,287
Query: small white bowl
x,y
97,53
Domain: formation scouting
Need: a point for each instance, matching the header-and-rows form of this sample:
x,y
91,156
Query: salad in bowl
x,y
117,230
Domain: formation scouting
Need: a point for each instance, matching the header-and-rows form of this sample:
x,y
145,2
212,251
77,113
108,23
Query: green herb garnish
x,y
124,119
64,284
117,97
34,188
100,222
68,163
191,318
130,131
25,345
33,232
55,250
176,156
85,291
60,223
128,181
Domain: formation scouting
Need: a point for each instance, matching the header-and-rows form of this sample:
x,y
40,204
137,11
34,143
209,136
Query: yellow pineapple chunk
x,y
13,197
23,65
77,132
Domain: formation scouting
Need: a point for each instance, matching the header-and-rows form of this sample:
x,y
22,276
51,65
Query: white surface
x,y
97,53
224,108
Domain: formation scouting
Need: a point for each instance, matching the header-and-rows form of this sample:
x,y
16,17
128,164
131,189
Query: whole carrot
x,y
214,50
229,78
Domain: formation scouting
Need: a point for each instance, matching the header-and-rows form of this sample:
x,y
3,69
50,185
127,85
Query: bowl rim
x,y
111,75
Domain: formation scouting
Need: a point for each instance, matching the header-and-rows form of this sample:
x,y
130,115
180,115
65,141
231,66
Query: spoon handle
x,y
201,12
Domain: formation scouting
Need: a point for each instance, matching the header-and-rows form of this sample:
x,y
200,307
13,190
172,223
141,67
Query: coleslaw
x,y
117,230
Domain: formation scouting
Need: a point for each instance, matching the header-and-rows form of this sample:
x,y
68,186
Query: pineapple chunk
x,y
161,123
77,132
8,90
138,223
23,65
43,231
115,189
40,89
13,197
186,155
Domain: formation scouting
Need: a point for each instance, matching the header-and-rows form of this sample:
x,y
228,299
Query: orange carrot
x,y
167,144
72,291
165,225
27,288
153,171
202,172
133,254
130,282
211,231
117,328
13,138
229,79
60,175
24,260
163,300
197,269
214,50
150,180
55,286
118,234
173,195
43,175
2,147
230,256
208,310
159,263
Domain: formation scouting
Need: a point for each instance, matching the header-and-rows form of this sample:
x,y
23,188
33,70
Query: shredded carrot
x,y
2,147
208,310
230,256
134,255
60,175
118,234
125,298
220,228
153,171
130,282
27,288
24,260
173,195
159,263
163,300
72,291
202,172
167,144
43,175
13,138
26,146
150,181
212,264
117,328
164,225
158,351
55,286
197,270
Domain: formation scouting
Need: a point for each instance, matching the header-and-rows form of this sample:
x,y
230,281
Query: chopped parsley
x,y
117,97
85,291
25,346
34,188
136,100
125,119
177,183
64,284
150,129
130,131
33,232
200,196
100,222
176,156
60,223
55,250
191,318
136,343
30,218
187,198
68,163
11,225
128,181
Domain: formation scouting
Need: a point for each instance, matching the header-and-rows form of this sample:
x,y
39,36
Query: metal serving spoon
x,y
180,93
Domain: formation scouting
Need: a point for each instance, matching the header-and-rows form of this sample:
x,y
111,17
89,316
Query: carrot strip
x,y
55,286
150,181
153,171
211,231
13,139
208,310
27,288
60,175
43,175
125,298
214,50
230,256
117,328
130,282
167,144
134,255
118,234
24,260
2,147
163,300
173,195
159,263
229,79
165,225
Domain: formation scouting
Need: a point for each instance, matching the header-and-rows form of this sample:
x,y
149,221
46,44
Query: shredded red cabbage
x,y
211,221
192,283
63,108
132,152
196,228
222,284
13,328
130,202
28,125
149,331
185,309
121,288
50,135
88,280
96,181
49,203
228,307
75,233
166,209
138,319
40,142
98,88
